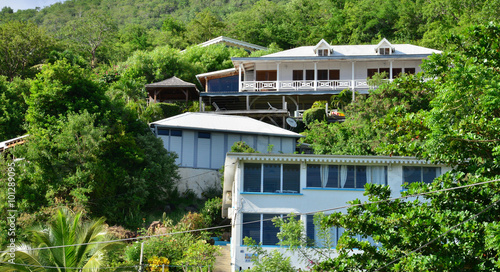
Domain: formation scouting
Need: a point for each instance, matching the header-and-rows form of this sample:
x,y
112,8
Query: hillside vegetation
x,y
72,76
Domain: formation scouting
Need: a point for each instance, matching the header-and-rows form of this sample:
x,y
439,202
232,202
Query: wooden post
x,y
140,260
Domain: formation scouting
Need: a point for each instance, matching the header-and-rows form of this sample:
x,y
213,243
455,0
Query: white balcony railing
x,y
304,85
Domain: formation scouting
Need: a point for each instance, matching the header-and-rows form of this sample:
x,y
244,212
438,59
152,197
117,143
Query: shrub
x,y
212,212
314,114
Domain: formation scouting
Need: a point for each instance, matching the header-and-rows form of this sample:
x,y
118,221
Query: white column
x,y
390,70
315,75
278,77
353,81
248,102
239,78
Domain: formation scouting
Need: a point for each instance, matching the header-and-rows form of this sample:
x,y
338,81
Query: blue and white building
x,y
261,186
201,141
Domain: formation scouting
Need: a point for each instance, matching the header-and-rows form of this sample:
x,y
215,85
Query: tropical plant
x,y
71,245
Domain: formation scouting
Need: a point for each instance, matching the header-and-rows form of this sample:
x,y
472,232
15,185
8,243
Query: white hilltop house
x,y
201,141
261,186
288,82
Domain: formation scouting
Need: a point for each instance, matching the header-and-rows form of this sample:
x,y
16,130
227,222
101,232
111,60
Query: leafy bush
x,y
242,147
314,114
184,249
170,109
212,212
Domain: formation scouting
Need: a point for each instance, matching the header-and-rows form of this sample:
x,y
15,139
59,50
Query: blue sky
x,y
27,4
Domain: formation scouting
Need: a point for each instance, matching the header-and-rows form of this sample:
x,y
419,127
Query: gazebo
x,y
172,89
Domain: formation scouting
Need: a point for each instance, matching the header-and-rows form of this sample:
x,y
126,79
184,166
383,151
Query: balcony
x,y
304,85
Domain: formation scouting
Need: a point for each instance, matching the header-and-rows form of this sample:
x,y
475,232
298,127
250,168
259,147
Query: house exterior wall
x,y
308,199
198,180
196,152
345,67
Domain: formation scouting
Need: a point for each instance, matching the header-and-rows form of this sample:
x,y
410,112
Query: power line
x,y
75,268
94,268
408,196
250,222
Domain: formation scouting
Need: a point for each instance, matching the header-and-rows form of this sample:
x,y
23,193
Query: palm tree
x,y
66,229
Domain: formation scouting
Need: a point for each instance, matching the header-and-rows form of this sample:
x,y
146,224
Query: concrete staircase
x,y
223,262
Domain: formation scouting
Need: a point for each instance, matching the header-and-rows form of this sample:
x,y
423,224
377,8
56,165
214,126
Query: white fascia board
x,y
239,61
328,159
217,73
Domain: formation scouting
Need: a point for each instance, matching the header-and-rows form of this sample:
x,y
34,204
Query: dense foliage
x,y
456,124
106,31
72,77
64,230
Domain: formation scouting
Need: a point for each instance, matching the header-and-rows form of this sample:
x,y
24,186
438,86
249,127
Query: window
x,y
271,178
396,72
322,74
176,133
344,176
327,238
204,135
384,51
420,174
309,74
252,177
298,75
323,52
386,71
260,228
372,71
334,74
410,71
162,131
267,75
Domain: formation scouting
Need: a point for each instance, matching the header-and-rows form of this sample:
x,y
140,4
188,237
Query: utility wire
x,y
98,268
256,221
448,231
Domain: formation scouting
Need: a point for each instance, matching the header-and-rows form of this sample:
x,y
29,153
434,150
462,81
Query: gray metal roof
x,y
233,42
355,50
223,123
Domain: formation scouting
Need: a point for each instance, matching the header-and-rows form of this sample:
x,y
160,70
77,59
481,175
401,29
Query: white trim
x,y
343,159
222,39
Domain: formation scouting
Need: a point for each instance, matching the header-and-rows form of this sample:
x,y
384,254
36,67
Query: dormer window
x,y
384,47
322,49
384,51
323,52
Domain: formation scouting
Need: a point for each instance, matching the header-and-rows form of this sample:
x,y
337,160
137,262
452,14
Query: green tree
x,y
90,32
448,230
364,129
65,230
23,45
264,261
12,107
85,150
204,26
